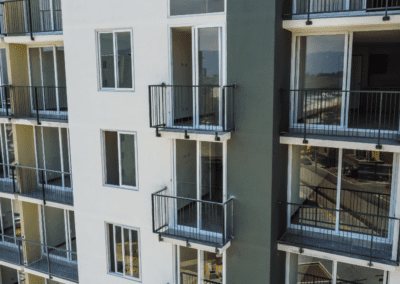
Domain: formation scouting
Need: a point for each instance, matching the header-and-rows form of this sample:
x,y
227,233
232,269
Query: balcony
x,y
309,9
198,221
39,103
23,17
359,116
204,109
46,185
42,258
320,226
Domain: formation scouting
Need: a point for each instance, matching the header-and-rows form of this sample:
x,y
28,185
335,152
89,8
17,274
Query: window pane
x,y
209,56
34,60
135,253
311,269
3,62
52,155
107,60
314,185
111,247
72,232
60,67
128,164
55,228
65,150
184,7
124,60
10,143
127,253
366,189
212,267
39,148
6,214
118,247
4,168
48,66
112,167
188,261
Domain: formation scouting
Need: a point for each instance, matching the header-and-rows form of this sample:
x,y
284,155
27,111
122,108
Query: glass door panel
x,y
208,78
36,78
186,182
128,165
52,156
319,80
8,229
188,265
212,267
49,80
61,81
211,178
314,186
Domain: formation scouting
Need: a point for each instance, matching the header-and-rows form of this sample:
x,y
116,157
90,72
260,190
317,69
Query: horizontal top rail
x,y
196,86
338,210
192,199
39,169
353,190
345,91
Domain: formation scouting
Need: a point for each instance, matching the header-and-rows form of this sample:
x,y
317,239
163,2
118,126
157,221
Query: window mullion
x,y
123,250
115,59
5,148
115,250
119,158
61,157
131,252
334,271
1,223
44,155
338,189
2,146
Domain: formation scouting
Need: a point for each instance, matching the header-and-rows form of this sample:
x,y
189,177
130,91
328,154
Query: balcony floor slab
x,y
9,253
62,269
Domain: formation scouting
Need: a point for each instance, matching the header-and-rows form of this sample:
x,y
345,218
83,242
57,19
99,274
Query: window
x,y
185,7
120,154
116,60
123,260
7,157
52,155
10,225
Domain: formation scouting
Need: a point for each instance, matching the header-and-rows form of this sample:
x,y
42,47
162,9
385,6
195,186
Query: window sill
x,y
117,90
122,187
125,277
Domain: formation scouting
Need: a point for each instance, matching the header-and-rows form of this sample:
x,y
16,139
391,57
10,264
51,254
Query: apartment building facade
x,y
341,129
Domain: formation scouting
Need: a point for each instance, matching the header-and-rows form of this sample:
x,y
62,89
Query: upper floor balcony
x,y
24,17
32,102
204,222
205,108
313,9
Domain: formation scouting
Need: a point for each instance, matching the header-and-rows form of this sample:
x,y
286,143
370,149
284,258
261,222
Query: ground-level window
x,y
123,251
197,266
120,159
308,269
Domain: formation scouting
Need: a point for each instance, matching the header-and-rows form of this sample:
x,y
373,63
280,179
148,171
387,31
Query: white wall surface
x,y
91,111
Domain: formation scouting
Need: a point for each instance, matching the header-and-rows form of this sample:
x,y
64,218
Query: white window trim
x,y
54,47
103,142
124,275
62,172
393,233
196,15
99,67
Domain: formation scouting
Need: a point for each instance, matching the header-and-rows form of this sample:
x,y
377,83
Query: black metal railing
x,y
313,279
202,108
192,219
362,114
42,258
366,235
340,8
8,179
5,104
40,103
21,17
189,278
46,185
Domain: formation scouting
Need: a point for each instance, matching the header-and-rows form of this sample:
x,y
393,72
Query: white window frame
x,y
115,48
57,93
198,183
2,69
289,263
130,228
393,232
195,68
63,187
196,15
67,230
134,133
4,148
200,265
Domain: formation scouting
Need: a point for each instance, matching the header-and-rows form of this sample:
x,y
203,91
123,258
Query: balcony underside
x,y
58,268
52,195
203,135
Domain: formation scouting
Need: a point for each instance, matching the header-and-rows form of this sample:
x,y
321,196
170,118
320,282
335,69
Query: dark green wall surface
x,y
257,51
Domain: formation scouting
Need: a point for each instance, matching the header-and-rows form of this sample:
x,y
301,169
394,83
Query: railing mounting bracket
x,y
216,137
386,18
370,263
301,250
157,133
379,147
187,243
186,135
216,249
305,141
308,23
160,239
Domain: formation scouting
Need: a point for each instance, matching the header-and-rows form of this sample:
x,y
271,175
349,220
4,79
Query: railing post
x,y
223,224
223,108
301,232
12,177
386,17
305,141
316,200
151,124
30,19
44,194
152,211
5,99
308,14
372,244
37,105
19,252
48,259
379,146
